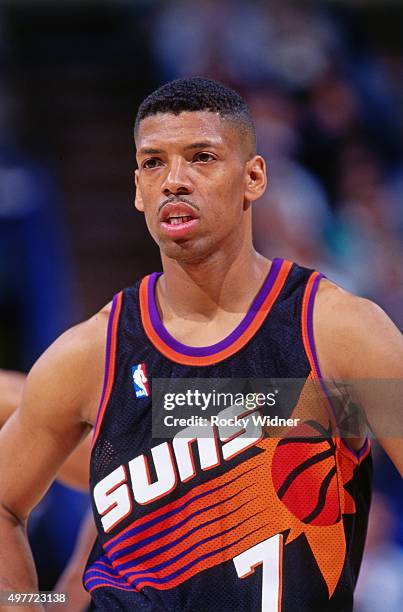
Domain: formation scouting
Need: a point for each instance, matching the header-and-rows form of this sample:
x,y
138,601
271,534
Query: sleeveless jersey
x,y
271,524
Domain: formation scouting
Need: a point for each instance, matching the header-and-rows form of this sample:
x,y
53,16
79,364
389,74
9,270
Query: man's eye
x,y
151,163
204,157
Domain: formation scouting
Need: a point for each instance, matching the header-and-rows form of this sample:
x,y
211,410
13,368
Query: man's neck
x,y
217,285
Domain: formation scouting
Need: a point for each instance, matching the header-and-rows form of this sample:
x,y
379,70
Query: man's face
x,y
193,182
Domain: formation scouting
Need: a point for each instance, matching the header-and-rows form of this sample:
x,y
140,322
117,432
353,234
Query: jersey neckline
x,y
207,355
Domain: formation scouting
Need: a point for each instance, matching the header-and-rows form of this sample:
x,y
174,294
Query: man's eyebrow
x,y
205,144
149,151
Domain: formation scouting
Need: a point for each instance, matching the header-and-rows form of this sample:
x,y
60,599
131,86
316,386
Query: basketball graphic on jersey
x,y
305,476
140,380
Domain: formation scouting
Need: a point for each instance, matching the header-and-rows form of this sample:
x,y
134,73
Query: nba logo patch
x,y
140,380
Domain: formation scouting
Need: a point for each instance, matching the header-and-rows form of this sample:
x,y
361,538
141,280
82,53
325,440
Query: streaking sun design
x,y
293,485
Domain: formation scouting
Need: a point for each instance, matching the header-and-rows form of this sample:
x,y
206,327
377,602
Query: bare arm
x,y
58,407
74,471
358,343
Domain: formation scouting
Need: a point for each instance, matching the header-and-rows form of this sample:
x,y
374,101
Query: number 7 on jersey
x,y
268,554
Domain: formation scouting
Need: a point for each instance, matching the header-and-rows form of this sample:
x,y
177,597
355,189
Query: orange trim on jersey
x,y
364,452
304,323
181,358
356,456
342,444
110,368
308,343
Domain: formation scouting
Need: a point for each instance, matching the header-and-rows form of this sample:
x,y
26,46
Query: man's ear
x,y
256,178
138,200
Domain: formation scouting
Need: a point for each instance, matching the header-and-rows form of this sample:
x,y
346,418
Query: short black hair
x,y
198,94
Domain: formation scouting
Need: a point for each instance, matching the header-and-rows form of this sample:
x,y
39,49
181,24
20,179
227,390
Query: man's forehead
x,y
181,129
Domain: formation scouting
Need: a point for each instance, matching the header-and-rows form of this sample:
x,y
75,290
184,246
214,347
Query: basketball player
x,y
240,523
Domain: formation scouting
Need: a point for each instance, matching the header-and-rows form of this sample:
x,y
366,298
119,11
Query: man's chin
x,y
185,250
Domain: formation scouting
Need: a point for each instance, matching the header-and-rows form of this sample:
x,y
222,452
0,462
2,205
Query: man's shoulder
x,y
340,307
74,363
84,339
348,326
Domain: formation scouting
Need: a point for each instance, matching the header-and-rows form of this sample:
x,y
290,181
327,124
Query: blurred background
x,y
324,81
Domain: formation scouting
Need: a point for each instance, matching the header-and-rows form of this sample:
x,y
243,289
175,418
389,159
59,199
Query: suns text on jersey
x,y
117,494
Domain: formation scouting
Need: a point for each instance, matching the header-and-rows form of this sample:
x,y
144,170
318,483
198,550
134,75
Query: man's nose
x,y
177,180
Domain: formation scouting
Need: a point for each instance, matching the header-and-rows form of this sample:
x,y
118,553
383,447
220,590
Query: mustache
x,y
173,199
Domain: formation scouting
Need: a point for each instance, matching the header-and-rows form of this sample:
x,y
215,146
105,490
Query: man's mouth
x,y
178,213
178,220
